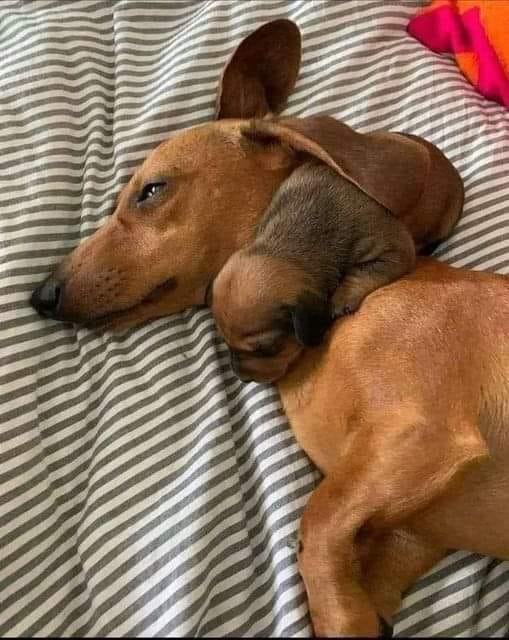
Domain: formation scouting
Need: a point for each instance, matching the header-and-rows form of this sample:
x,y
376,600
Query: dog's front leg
x,y
363,279
379,261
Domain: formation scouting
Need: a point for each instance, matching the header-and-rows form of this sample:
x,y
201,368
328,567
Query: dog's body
x,y
407,472
406,412
321,247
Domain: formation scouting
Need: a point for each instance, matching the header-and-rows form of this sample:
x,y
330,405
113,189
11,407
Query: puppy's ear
x,y
311,318
405,174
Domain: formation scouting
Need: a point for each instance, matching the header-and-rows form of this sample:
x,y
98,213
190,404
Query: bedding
x,y
145,491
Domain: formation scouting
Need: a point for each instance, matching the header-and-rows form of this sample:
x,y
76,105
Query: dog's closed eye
x,y
311,318
150,190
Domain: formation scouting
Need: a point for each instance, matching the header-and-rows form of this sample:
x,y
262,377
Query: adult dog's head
x,y
267,310
198,197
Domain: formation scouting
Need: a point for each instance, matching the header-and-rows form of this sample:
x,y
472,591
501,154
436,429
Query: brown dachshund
x,y
405,408
211,184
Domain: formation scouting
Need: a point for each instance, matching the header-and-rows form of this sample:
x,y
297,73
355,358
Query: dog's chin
x,y
125,319
116,320
119,322
269,373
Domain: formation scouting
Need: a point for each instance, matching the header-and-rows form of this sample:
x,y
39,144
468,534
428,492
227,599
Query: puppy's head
x,y
268,311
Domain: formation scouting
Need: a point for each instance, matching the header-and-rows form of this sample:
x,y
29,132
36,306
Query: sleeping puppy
x,y
321,247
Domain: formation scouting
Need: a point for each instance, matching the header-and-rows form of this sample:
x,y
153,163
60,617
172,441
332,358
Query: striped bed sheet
x,y
145,491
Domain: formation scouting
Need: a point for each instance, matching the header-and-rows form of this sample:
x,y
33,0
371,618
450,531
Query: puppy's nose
x,y
46,299
236,365
237,368
234,362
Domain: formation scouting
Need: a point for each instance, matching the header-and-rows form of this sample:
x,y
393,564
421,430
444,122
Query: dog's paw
x,y
339,312
344,302
386,630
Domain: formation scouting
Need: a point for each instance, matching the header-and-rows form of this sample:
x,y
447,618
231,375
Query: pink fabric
x,y
446,31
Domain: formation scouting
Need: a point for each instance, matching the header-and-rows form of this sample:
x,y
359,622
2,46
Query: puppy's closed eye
x,y
266,351
311,319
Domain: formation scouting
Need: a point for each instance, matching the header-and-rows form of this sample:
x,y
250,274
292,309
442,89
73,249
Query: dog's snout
x,y
46,299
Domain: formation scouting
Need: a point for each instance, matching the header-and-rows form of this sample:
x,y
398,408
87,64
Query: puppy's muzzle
x,y
47,298
246,373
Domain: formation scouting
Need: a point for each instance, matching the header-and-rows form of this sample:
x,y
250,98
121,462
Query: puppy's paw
x,y
345,302
344,310
341,308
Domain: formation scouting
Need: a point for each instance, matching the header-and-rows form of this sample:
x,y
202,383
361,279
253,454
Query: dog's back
x,y
450,328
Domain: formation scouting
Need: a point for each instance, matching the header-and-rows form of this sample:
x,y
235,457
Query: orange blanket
x,y
477,33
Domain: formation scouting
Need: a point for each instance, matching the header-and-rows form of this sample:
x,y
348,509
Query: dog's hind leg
x,y
379,262
391,564
330,568
387,473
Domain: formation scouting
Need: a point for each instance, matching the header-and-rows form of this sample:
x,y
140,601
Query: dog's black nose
x,y
47,298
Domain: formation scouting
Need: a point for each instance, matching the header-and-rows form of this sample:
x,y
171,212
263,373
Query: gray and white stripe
x,y
145,490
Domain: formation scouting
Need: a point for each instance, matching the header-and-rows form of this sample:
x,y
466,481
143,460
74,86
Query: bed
x,y
145,491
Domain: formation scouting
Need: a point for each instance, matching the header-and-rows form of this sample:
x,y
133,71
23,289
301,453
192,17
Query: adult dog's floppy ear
x,y
261,73
405,174
311,318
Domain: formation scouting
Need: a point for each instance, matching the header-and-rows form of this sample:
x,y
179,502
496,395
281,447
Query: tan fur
x,y
405,409
138,249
